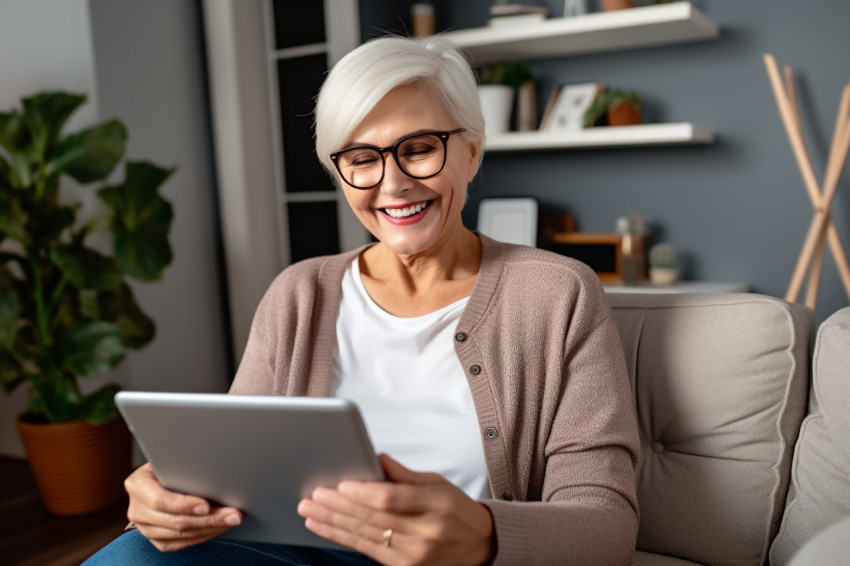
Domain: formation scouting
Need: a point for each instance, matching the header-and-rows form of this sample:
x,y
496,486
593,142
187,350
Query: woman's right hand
x,y
170,520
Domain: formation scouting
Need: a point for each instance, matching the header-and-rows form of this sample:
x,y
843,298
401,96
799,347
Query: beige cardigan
x,y
549,383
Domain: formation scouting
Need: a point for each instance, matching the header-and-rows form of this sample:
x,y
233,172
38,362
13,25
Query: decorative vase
x,y
496,105
610,5
78,467
624,113
526,108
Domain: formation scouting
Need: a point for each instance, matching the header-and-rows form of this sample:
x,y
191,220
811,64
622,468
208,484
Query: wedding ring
x,y
388,537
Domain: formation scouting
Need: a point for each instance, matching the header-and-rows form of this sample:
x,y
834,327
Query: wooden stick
x,y
794,134
838,154
815,271
840,257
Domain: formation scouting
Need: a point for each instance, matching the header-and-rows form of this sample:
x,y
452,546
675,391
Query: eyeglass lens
x,y
418,156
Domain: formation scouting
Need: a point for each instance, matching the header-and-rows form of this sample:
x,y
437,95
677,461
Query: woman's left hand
x,y
414,518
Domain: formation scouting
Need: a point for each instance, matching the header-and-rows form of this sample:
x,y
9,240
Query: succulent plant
x,y
662,256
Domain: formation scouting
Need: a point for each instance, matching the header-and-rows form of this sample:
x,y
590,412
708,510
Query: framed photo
x,y
602,251
512,220
567,105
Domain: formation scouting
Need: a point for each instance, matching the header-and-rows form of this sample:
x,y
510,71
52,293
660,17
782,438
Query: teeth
x,y
407,211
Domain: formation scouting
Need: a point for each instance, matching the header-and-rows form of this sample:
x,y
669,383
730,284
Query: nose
x,y
395,181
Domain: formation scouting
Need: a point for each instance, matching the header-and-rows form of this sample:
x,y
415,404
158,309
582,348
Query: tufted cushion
x,y
720,384
819,494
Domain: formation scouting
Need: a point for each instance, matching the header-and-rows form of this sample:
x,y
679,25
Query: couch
x,y
745,435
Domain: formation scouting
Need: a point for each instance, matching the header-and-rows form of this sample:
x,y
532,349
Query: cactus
x,y
662,256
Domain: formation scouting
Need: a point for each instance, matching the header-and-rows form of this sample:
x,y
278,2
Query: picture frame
x,y
567,104
511,220
601,251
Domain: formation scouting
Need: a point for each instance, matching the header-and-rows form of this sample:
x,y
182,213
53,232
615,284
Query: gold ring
x,y
388,537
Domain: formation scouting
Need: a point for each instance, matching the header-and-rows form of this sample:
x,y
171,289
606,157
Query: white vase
x,y
496,105
663,275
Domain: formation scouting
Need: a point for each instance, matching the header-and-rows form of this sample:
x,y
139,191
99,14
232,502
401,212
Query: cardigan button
x,y
475,370
491,433
461,336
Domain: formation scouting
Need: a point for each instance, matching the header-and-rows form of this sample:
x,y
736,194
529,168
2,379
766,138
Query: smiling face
x,y
413,216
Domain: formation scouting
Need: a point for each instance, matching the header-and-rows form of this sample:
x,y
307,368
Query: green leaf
x,y
10,308
121,308
11,372
90,155
13,219
51,223
99,407
45,115
86,268
55,397
14,138
142,221
92,347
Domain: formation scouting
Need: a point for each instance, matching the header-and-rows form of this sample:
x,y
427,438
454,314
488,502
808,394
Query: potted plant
x,y
662,264
500,88
67,313
615,108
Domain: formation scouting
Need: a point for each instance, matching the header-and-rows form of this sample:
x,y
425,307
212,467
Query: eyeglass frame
x,y
443,136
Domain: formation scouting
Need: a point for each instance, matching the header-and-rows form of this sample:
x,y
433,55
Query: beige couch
x,y
744,456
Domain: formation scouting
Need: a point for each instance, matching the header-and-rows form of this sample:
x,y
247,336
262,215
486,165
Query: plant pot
x,y
663,275
496,105
610,5
79,468
624,113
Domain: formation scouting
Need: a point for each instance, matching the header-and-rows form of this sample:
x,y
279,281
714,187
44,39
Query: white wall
x,y
150,74
44,44
141,62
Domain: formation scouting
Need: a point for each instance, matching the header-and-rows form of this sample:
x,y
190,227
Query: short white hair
x,y
365,75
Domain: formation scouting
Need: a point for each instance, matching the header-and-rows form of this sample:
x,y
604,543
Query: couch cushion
x,y
650,559
819,494
720,383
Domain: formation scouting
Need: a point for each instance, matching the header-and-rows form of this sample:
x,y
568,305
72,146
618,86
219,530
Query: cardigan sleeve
x,y
588,512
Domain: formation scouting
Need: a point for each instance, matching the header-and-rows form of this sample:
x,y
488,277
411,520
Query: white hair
x,y
365,75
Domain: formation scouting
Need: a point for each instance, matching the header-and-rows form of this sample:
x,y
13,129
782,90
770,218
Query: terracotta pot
x,y
79,468
610,5
624,113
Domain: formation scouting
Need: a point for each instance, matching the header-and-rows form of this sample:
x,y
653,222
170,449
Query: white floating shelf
x,y
644,26
612,136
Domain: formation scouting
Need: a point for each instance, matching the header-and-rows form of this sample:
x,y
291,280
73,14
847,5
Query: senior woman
x,y
490,376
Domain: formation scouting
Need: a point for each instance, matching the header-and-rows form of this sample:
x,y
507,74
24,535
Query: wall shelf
x,y
644,26
613,136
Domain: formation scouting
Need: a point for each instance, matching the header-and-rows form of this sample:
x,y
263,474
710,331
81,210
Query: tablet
x,y
259,454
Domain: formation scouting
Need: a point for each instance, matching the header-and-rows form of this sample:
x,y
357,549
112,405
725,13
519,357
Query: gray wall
x,y
736,210
150,73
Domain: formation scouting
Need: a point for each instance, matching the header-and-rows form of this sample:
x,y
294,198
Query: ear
x,y
474,160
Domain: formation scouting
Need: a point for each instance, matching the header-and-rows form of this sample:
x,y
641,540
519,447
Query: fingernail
x,y
200,510
232,520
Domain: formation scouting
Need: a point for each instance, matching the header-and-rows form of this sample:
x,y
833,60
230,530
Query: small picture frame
x,y
601,251
567,105
511,220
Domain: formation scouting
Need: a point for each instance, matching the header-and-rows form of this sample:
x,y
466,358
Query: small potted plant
x,y
662,264
67,313
615,108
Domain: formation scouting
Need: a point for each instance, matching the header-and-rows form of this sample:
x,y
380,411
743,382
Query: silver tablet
x,y
259,454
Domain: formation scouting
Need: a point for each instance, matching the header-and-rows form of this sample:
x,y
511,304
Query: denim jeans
x,y
133,549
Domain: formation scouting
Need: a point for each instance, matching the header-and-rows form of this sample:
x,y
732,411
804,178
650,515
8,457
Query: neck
x,y
454,262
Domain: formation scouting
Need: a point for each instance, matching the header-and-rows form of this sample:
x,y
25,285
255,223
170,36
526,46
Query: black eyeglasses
x,y
420,155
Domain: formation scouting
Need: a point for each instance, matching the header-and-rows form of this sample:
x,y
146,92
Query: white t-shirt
x,y
405,377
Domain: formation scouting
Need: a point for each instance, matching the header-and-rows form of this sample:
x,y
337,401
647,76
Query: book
x,y
516,9
518,20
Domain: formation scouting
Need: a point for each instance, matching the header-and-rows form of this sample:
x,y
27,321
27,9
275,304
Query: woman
x,y
494,367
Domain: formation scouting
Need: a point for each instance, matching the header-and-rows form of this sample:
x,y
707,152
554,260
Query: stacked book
x,y
505,15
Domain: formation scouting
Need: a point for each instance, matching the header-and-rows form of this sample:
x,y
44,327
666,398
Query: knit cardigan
x,y
548,380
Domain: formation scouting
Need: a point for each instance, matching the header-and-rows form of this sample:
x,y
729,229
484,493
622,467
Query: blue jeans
x,y
133,549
